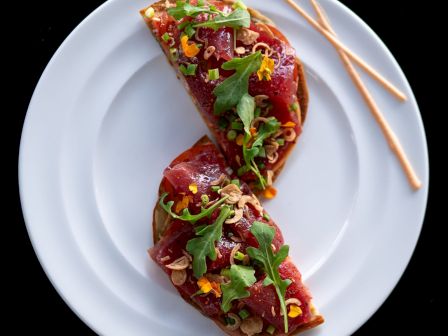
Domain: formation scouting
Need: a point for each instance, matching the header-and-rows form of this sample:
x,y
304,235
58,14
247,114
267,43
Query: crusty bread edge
x,y
302,90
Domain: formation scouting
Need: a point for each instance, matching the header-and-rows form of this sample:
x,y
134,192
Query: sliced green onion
x,y
189,31
225,272
261,165
166,37
174,54
213,74
242,170
239,256
200,3
262,152
231,135
235,182
215,188
236,125
266,216
257,112
239,4
190,70
281,142
270,330
244,314
204,199
294,107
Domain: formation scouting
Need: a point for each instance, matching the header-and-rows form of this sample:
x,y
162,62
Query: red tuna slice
x,y
263,298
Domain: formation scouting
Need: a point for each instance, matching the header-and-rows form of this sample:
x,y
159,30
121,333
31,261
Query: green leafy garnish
x,y
241,277
245,110
266,130
204,245
186,215
184,9
229,92
237,19
271,262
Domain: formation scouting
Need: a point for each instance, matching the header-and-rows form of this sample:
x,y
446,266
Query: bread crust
x,y
302,90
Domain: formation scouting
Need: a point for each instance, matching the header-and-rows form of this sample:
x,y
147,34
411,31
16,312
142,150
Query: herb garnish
x,y
184,9
229,92
204,245
271,262
241,277
237,19
186,215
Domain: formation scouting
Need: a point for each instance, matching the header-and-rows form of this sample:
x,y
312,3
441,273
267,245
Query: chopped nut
x,y
236,218
240,50
290,134
185,253
178,277
247,36
251,200
293,301
234,193
272,158
236,239
252,325
238,160
179,264
273,248
218,253
218,181
273,311
209,52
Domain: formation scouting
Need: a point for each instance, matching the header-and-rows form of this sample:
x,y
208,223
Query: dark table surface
x,y
412,34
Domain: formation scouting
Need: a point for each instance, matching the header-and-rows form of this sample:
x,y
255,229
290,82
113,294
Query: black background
x,y
413,34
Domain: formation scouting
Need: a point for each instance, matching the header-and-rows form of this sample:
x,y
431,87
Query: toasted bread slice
x,y
302,90
162,222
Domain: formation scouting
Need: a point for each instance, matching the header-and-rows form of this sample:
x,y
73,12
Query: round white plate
x,y
108,115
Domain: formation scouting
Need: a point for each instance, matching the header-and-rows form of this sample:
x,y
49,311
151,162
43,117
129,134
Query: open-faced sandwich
x,y
223,252
244,77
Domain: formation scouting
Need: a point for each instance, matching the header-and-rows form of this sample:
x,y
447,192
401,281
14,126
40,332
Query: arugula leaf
x,y
237,19
229,92
266,130
271,261
184,9
241,277
245,110
186,215
204,245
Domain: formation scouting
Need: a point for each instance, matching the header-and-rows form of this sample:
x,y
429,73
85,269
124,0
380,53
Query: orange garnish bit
x,y
240,140
294,311
193,188
190,49
289,124
207,286
266,68
183,204
253,131
270,192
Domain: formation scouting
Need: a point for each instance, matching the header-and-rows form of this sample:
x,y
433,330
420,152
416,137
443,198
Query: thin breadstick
x,y
336,43
389,134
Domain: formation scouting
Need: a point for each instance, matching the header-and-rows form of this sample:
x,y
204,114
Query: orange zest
x,y
183,204
289,124
253,131
193,188
266,68
190,49
240,140
270,192
294,311
207,286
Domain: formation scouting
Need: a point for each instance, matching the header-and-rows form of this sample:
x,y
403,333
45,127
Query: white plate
x,y
109,114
